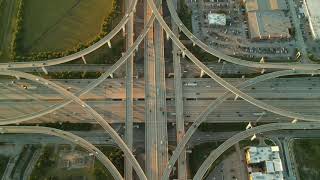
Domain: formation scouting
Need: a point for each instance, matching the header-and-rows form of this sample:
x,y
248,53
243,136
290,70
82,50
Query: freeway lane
x,y
129,97
90,86
222,82
89,110
182,161
69,137
202,117
151,150
114,111
160,85
191,69
101,138
245,134
278,88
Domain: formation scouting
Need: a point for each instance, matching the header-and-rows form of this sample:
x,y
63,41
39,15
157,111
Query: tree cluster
x,y
45,162
116,157
17,33
67,126
3,164
185,16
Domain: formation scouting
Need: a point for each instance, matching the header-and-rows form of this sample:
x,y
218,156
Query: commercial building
x,y
266,19
264,163
268,25
265,5
312,11
217,19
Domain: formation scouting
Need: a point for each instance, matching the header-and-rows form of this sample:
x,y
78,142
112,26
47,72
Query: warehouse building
x,y
312,11
268,25
266,19
265,5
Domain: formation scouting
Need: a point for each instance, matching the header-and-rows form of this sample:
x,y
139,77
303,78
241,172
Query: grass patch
x,y
201,54
269,142
313,58
202,151
46,30
307,157
106,55
185,14
222,127
225,127
23,160
268,60
66,126
3,164
69,75
115,155
8,15
246,143
47,166
62,24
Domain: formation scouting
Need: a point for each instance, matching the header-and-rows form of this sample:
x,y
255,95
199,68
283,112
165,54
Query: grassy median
x,y
307,158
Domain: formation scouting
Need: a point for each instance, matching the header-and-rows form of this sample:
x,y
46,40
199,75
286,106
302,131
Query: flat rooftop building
x,y
265,5
217,19
267,20
313,14
264,163
262,176
268,25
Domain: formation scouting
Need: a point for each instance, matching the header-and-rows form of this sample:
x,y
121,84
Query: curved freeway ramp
x,y
245,134
89,110
69,137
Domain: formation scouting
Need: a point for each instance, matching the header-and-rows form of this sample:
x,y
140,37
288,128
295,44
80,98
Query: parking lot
x,y
313,47
233,37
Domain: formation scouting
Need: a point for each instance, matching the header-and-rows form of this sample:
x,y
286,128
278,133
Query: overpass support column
x,y
44,70
201,73
84,60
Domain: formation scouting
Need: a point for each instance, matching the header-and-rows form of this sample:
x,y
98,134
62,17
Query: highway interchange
x,y
155,96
